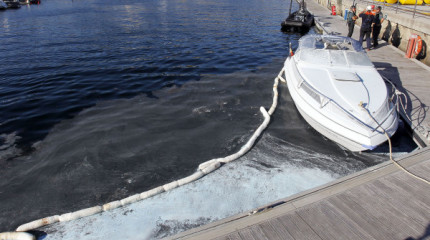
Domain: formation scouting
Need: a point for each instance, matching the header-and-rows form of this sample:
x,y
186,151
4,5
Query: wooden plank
x,y
387,216
417,188
258,232
222,238
234,236
326,223
271,232
349,223
298,228
404,212
281,230
406,202
372,209
422,170
359,215
246,234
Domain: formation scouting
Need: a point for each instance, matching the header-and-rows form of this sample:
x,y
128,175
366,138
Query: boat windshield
x,y
334,57
315,41
332,50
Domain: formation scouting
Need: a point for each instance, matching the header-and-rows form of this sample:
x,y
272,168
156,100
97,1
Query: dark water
x,y
103,99
63,56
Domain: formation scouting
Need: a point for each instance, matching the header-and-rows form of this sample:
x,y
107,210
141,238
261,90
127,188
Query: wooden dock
x,y
381,202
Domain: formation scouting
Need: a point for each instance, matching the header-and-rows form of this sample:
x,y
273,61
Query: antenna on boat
x,y
291,4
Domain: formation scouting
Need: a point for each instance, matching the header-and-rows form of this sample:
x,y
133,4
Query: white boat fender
x,y
38,223
16,236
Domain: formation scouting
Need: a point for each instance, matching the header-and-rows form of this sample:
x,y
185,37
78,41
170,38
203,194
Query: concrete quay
x,y
400,24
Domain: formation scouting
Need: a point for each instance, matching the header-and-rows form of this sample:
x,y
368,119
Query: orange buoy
x,y
418,45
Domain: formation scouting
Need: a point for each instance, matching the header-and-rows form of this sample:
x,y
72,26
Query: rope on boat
x,y
399,93
391,148
203,169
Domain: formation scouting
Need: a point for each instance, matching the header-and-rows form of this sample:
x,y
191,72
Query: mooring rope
x,y
391,148
203,169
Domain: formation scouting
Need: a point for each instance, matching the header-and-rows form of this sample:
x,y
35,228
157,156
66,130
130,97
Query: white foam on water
x,y
241,186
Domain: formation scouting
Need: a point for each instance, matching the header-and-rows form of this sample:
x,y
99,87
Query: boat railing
x,y
325,101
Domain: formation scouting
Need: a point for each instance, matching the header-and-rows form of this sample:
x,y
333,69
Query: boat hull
x,y
340,139
353,139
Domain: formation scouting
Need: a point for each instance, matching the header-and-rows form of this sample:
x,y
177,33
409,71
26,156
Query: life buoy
x,y
418,45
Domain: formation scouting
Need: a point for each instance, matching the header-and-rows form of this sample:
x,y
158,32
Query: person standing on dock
x,y
350,20
367,20
379,18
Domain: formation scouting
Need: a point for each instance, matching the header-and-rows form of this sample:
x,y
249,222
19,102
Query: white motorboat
x,y
338,91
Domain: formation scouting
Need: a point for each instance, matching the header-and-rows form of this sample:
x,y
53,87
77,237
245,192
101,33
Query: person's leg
x,y
368,38
350,28
375,33
361,36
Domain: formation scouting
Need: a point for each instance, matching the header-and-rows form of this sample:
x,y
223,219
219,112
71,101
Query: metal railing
x,y
416,11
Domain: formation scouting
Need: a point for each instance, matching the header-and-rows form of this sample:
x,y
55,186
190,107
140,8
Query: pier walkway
x,y
409,75
381,202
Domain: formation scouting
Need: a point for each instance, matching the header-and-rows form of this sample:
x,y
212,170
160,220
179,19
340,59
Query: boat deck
x,y
381,202
409,75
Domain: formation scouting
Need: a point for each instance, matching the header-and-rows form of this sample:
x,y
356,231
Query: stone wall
x,y
396,29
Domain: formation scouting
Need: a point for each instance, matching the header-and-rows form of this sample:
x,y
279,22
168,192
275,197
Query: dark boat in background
x,y
12,4
301,20
3,5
